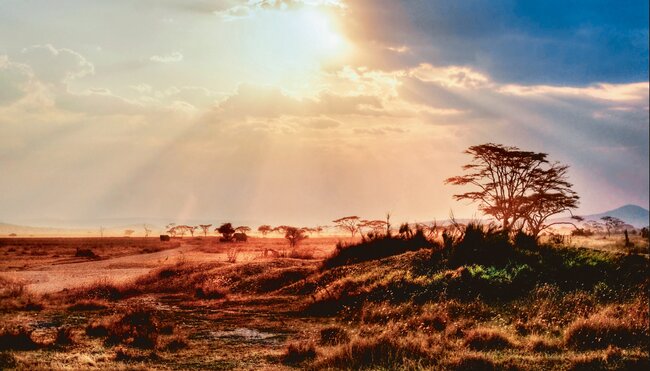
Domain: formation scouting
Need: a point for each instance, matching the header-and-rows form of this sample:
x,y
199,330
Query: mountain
x,y
631,214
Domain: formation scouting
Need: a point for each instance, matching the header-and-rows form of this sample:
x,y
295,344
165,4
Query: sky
x,y
304,111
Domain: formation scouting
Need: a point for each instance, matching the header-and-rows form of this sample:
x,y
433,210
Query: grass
x,y
430,307
297,353
488,339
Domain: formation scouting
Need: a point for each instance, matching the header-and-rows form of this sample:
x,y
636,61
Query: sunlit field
x,y
401,302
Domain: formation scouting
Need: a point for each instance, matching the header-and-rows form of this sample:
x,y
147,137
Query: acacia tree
x,y
243,229
205,228
128,232
521,189
294,235
192,229
226,231
348,223
265,229
612,223
147,231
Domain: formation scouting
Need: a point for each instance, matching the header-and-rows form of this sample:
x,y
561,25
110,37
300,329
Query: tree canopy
x,y
521,189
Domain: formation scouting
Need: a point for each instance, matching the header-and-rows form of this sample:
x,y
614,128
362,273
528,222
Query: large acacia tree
x,y
521,189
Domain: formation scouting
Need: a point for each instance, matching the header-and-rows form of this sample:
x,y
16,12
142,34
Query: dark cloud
x,y
554,42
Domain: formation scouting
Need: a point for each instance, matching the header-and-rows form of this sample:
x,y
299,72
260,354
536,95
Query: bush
x,y
384,351
63,336
482,245
333,335
138,328
17,338
600,331
374,249
488,339
297,353
210,292
88,305
86,253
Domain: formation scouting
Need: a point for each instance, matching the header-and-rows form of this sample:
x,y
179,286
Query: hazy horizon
x,y
303,111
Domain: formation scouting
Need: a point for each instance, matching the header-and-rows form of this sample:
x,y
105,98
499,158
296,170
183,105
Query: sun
x,y
288,47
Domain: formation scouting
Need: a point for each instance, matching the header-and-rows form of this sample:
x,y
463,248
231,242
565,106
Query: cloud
x,y
321,123
14,81
262,101
56,65
549,42
172,57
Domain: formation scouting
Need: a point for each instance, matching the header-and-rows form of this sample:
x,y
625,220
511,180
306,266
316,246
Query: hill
x,y
631,214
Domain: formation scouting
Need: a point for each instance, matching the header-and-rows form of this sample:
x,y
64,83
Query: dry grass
x,y
333,335
14,296
489,339
622,326
385,350
299,352
139,328
400,312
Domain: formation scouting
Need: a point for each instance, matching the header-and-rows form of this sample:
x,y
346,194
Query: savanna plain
x,y
455,297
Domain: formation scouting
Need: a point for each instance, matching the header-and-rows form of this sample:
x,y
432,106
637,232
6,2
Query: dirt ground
x,y
47,265
242,332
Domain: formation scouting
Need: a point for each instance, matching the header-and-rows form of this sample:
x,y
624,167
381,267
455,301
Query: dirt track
x,y
56,277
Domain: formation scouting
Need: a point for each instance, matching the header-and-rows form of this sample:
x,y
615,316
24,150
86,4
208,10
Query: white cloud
x,y
172,57
56,65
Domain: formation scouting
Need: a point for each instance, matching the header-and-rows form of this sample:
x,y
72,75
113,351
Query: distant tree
x,y
205,228
349,223
226,231
243,229
612,224
147,231
128,232
294,235
594,226
521,189
374,227
171,229
644,232
265,229
101,231
281,228
181,230
319,229
192,229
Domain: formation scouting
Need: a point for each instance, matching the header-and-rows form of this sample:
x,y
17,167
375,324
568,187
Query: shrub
x,y
7,361
484,245
86,253
333,335
17,338
176,344
138,328
207,291
472,362
297,353
97,329
386,350
600,331
374,249
488,339
63,336
88,305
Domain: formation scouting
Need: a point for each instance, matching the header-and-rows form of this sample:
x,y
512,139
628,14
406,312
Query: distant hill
x,y
631,214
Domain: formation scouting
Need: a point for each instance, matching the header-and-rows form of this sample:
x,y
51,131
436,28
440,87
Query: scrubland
x,y
470,299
